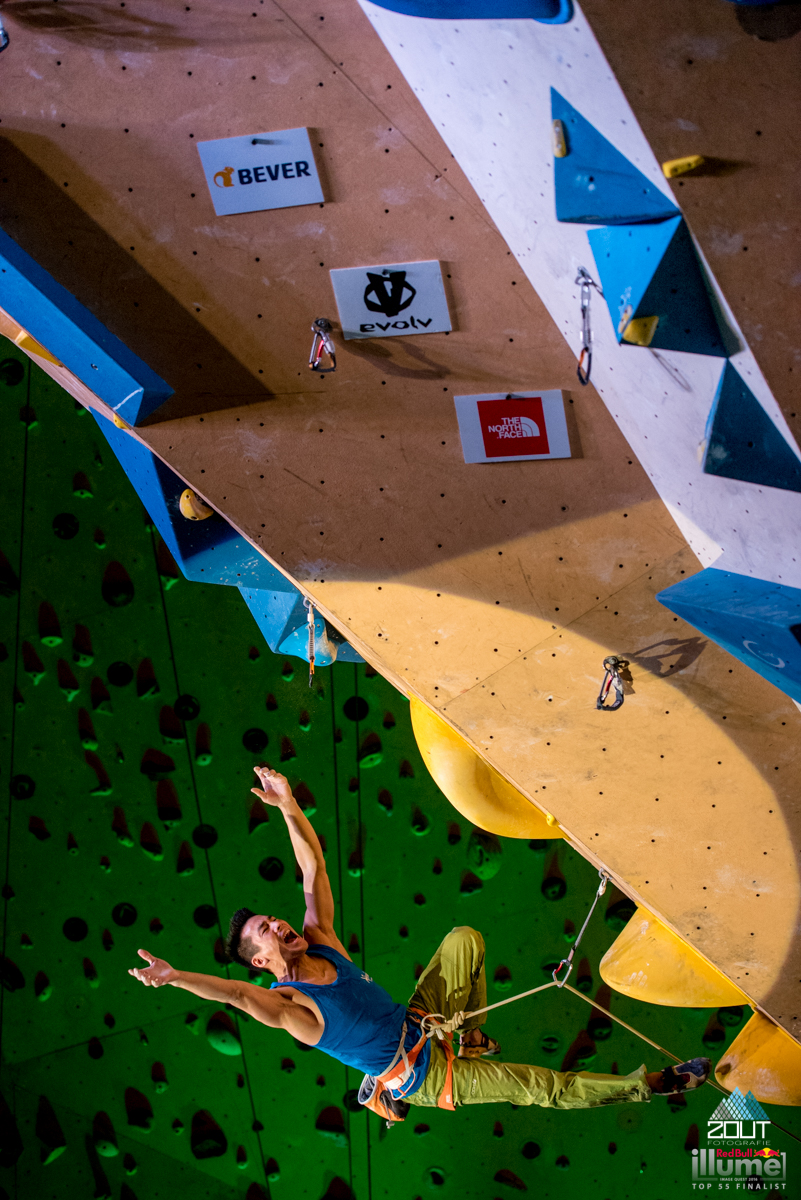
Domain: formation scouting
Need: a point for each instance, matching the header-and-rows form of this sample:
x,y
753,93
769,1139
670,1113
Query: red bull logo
x,y
766,1153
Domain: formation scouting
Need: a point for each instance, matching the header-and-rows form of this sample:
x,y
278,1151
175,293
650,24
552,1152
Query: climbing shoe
x,y
483,1049
684,1077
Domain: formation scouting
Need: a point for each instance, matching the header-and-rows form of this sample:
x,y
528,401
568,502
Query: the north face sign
x,y
499,428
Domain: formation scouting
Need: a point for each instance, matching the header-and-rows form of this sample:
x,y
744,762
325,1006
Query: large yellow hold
x,y
765,1060
649,962
474,788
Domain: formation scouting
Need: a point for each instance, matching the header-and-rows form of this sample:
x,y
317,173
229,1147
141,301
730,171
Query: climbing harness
x,y
373,1093
612,666
568,962
309,623
322,344
584,368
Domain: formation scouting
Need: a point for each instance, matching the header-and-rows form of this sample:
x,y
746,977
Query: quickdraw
x,y
584,368
322,344
310,626
612,666
568,962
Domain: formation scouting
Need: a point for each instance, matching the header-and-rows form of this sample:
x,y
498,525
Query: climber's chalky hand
x,y
156,973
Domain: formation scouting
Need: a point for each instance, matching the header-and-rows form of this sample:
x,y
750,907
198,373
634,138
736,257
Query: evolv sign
x,y
500,427
402,298
261,171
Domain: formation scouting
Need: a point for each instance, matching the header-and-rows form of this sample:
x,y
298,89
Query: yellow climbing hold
x,y
680,166
192,507
640,331
765,1060
649,962
558,139
474,788
118,421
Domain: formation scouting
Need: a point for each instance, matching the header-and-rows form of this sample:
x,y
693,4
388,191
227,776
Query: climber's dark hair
x,y
239,949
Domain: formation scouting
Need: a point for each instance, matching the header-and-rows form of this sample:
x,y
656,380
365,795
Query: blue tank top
x,y
362,1022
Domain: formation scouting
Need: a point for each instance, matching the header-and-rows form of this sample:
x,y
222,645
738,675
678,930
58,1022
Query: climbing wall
x,y
130,826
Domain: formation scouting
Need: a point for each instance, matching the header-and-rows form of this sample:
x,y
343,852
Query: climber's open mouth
x,y
290,937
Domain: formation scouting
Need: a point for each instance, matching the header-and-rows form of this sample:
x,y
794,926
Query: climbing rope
x,y
436,1023
585,282
612,666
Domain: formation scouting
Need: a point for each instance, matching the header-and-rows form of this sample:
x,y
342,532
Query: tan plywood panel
x,y
456,581
701,83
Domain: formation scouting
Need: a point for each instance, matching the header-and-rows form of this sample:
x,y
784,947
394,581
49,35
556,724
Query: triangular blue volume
x,y
654,271
597,185
757,621
743,443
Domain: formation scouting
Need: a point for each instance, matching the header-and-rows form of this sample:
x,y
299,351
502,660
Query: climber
x,y
322,999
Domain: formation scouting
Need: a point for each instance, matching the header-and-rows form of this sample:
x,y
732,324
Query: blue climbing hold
x,y
547,12
756,621
206,551
597,185
743,443
283,622
649,271
72,335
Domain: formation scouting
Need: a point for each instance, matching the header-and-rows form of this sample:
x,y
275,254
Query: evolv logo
x,y
391,302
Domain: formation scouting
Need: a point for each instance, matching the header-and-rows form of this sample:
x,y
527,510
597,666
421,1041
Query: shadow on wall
x,y
102,27
117,289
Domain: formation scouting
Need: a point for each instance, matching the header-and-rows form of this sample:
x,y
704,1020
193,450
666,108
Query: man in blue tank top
x,y
322,999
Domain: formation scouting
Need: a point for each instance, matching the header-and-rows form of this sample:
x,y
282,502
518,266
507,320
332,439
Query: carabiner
x,y
322,344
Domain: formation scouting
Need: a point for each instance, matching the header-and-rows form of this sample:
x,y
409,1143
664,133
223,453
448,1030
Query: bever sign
x,y
501,427
260,171
402,298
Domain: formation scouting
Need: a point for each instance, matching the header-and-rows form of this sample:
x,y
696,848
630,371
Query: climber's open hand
x,y
274,788
156,973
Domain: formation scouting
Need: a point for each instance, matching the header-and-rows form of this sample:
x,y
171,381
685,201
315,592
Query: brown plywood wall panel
x,y
725,82
456,581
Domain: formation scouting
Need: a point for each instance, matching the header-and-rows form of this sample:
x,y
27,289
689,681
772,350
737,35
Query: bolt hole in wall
x,y
156,840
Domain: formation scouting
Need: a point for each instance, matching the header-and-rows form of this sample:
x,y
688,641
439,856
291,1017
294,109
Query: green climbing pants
x,y
454,982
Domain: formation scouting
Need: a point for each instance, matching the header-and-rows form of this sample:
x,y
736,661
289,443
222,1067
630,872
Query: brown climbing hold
x,y
86,730
406,770
203,745
146,682
305,799
241,1157
511,1180
149,842
107,940
82,653
288,751
104,786
331,1124
104,1139
117,588
49,627
385,800
258,815
81,487
138,1110
156,765
32,664
186,862
168,805
42,987
170,728
119,827
159,1077
49,1132
101,700
208,1139
66,680
370,751
37,827
271,704
90,973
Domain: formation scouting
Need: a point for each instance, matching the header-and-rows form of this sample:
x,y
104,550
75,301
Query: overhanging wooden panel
x,y
455,581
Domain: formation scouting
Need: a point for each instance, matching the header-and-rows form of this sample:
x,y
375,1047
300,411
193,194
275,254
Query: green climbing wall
x,y
130,823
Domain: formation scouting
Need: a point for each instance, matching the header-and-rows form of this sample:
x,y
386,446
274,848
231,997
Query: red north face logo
x,y
513,427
